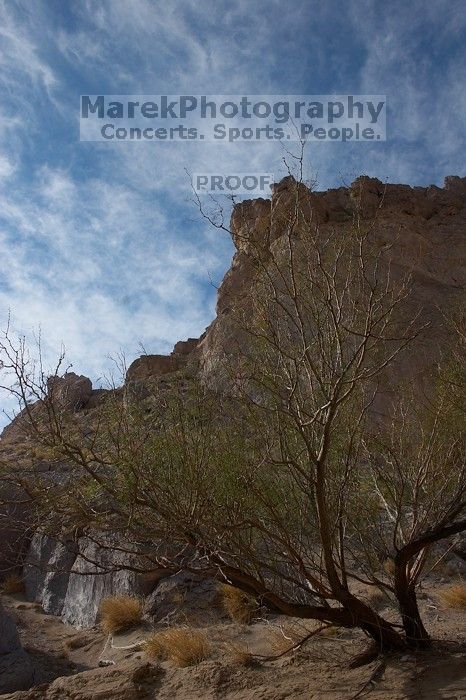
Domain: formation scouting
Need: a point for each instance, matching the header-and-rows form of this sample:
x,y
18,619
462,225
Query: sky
x,y
102,250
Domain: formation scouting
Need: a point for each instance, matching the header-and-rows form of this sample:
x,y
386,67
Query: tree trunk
x,y
417,636
382,632
384,635
352,613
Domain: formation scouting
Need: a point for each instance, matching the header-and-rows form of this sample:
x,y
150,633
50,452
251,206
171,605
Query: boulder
x,y
70,392
184,593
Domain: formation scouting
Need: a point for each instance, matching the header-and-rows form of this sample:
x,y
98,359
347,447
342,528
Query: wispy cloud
x,y
100,246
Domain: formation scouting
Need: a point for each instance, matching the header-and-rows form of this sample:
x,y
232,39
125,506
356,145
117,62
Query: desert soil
x,y
88,665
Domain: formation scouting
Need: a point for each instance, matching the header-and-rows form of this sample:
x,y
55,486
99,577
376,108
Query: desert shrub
x,y
238,605
13,583
180,646
453,595
376,598
389,567
77,641
119,613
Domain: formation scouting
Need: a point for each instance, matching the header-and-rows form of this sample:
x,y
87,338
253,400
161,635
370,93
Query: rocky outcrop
x,y
130,680
70,392
151,366
70,579
148,366
424,225
16,668
182,593
185,347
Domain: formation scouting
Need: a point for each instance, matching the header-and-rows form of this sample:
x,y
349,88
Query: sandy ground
x,y
316,671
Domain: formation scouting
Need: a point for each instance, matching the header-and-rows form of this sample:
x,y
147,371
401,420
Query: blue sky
x,y
100,246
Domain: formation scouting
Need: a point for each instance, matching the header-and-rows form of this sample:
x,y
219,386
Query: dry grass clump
x,y
330,631
389,567
77,641
120,612
283,638
453,595
240,606
240,655
181,646
178,598
376,598
13,583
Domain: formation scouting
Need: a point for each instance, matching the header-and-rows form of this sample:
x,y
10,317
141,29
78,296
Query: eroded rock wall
x,y
70,579
425,227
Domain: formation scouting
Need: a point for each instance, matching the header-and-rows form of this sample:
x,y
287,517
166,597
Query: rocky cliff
x,y
425,228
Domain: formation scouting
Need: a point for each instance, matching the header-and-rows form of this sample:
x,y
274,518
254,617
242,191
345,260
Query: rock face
x,y
150,366
71,580
130,680
71,392
179,592
16,669
425,227
47,572
91,582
